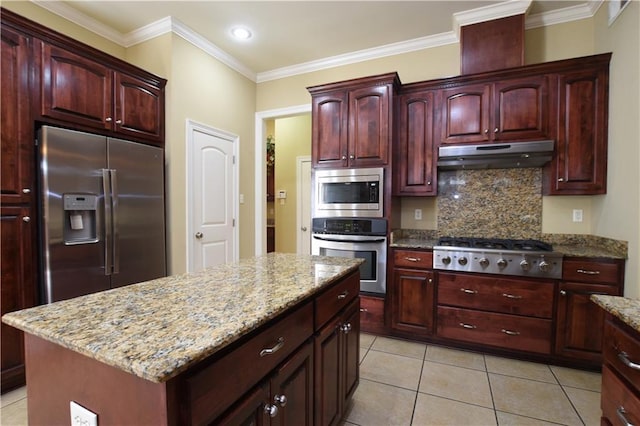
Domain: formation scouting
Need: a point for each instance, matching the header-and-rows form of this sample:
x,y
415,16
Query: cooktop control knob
x,y
484,262
462,261
446,260
501,263
525,265
545,266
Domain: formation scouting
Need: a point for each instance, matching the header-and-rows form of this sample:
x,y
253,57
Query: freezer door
x,y
137,173
72,234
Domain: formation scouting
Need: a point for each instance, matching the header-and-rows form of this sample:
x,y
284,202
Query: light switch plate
x,y
80,416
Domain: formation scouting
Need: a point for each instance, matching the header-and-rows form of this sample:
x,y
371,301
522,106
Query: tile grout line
x,y
567,396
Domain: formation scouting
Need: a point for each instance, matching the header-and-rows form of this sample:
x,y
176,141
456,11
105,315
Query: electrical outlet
x,y
417,214
241,197
577,215
80,416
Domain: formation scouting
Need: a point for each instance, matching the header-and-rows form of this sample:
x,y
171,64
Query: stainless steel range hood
x,y
495,156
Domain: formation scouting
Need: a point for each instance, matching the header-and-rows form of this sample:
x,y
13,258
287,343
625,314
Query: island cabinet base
x,y
275,374
56,375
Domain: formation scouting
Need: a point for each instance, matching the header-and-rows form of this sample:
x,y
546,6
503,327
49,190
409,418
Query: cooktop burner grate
x,y
495,244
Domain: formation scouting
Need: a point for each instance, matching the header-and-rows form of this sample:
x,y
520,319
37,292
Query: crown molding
x,y
489,13
360,56
559,16
82,20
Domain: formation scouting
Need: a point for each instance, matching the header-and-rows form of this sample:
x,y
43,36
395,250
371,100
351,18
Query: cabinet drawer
x,y
329,303
619,404
501,330
413,259
371,314
622,351
510,296
217,386
591,271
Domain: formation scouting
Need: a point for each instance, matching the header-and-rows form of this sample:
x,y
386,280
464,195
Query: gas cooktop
x,y
530,258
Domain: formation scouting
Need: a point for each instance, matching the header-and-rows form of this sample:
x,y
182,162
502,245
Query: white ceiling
x,y
297,36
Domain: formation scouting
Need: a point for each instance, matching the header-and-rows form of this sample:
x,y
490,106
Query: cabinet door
x,y
369,126
351,350
412,305
415,173
76,89
139,108
580,165
327,356
521,109
16,139
580,322
292,389
252,410
465,114
329,129
18,287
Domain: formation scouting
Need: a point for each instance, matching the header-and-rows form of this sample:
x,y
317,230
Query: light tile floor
x,y
408,383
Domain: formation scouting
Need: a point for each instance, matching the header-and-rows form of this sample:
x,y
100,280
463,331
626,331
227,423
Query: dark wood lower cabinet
x,y
372,315
413,301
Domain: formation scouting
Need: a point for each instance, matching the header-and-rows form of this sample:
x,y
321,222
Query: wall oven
x,y
349,193
355,238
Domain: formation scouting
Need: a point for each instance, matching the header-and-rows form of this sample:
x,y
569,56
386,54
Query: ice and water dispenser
x,y
80,218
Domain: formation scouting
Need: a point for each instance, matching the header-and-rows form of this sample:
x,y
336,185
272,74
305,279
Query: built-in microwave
x,y
349,193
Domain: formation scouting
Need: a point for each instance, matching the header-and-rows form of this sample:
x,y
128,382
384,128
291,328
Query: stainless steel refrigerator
x,y
102,213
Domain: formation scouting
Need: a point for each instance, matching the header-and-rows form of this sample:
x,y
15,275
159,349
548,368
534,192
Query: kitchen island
x,y
191,348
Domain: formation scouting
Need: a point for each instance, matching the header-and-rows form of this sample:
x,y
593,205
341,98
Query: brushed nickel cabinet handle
x,y
560,179
510,333
413,259
271,410
274,349
26,219
620,412
280,399
511,296
343,295
466,290
108,119
469,326
624,357
587,272
26,191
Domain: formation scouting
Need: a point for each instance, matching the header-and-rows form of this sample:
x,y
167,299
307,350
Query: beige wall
x,y
293,139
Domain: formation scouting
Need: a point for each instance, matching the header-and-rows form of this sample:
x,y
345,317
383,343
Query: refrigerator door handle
x,y
106,187
114,222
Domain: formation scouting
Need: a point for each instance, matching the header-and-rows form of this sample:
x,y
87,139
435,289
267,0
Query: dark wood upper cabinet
x,y
580,164
82,91
352,122
506,110
414,170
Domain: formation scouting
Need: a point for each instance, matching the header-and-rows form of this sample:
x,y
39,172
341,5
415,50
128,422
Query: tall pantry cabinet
x,y
48,78
17,198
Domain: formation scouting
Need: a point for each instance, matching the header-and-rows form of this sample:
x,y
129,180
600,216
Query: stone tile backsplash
x,y
493,203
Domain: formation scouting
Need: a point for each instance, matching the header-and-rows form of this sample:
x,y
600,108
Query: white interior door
x,y
304,205
212,235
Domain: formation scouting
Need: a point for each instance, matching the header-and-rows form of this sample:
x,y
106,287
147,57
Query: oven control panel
x,y
348,226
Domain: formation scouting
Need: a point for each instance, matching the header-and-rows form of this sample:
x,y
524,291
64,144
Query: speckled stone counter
x,y
625,309
567,244
158,329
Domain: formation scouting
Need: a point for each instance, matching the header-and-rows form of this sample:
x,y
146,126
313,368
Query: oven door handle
x,y
351,239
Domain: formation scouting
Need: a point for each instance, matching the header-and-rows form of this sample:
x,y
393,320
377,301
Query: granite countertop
x,y
569,245
627,310
158,329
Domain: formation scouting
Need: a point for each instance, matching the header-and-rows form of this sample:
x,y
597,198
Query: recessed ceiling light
x,y
241,33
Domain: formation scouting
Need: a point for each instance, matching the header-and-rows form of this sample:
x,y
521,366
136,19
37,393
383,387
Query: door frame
x,y
299,234
260,185
191,126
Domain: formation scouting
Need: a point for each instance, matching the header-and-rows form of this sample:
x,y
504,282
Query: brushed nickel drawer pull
x,y
343,295
586,272
469,326
273,350
466,290
621,415
624,357
413,259
510,333
511,296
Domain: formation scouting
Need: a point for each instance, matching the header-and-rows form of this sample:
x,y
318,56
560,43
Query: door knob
x,y
304,229
199,235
